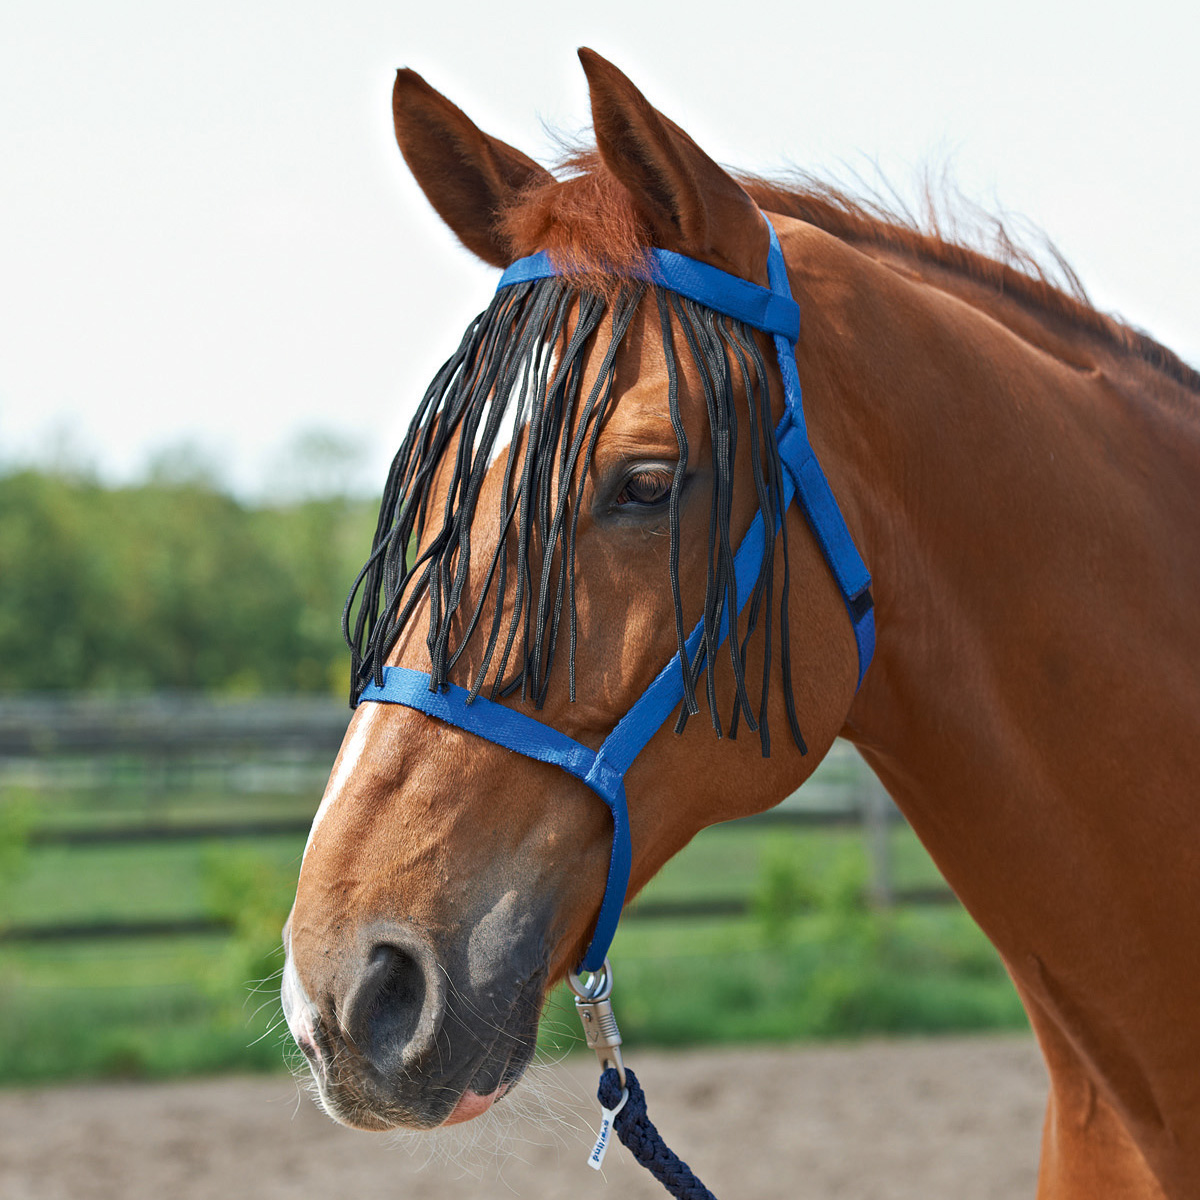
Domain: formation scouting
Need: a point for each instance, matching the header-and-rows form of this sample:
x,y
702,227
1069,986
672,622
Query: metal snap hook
x,y
596,1016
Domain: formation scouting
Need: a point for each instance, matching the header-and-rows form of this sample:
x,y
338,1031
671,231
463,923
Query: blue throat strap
x,y
774,311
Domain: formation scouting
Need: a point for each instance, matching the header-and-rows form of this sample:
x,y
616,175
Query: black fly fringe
x,y
518,372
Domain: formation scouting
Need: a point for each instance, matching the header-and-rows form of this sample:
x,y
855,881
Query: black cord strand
x,y
518,371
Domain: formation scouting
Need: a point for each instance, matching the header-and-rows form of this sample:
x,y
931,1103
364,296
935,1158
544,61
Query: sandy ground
x,y
951,1119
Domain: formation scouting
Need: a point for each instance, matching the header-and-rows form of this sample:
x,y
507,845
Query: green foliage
x,y
172,584
131,1030
814,960
17,814
16,822
153,1007
253,893
851,948
932,972
785,888
798,875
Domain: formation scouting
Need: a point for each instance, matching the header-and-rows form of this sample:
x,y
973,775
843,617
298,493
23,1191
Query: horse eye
x,y
645,489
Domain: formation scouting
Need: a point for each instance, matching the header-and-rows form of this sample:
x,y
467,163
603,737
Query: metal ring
x,y
598,987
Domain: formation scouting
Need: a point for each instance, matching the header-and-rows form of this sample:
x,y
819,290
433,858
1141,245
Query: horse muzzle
x,y
398,1037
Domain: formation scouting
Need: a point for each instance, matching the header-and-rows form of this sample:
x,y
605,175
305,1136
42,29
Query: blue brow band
x,y
724,293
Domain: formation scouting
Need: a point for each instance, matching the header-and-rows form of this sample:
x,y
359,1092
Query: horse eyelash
x,y
660,477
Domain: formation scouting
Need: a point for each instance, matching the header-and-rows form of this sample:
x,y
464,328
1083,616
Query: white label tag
x,y
607,1117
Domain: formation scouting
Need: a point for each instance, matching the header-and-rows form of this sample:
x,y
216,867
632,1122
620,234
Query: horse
x,y
1021,474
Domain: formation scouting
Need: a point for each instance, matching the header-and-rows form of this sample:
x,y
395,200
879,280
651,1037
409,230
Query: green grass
x,y
811,960
151,1009
166,879
159,1008
122,793
131,881
726,861
815,961
918,972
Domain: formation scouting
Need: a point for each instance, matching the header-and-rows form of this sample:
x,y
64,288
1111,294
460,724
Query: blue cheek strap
x,y
774,311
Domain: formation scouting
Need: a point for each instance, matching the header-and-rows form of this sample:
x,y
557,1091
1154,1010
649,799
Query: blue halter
x,y
774,311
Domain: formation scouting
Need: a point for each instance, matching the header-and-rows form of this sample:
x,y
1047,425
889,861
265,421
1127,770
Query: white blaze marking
x,y
522,400
498,452
346,767
295,1003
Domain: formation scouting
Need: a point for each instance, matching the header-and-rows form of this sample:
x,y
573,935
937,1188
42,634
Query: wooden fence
x,y
88,742
168,726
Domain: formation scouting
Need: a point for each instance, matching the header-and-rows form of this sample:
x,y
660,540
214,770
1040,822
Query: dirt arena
x,y
951,1119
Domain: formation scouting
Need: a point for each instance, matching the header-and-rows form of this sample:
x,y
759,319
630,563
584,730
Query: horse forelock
x,y
585,221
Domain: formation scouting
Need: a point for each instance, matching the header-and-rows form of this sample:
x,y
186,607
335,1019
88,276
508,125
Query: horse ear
x,y
467,176
691,204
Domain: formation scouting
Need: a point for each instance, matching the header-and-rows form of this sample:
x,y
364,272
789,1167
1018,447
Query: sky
x,y
210,241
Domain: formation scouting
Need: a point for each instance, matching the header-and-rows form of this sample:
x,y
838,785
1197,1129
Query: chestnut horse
x,y
1021,474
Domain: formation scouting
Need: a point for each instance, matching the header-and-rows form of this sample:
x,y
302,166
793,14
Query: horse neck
x,y
1023,518
1026,514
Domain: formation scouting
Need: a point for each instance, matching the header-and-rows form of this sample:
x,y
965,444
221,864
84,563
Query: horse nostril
x,y
387,1017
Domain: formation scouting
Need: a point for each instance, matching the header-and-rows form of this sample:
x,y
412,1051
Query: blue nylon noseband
x,y
774,311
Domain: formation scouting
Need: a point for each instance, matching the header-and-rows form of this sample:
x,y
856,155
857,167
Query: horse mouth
x,y
357,1100
472,1104
449,1086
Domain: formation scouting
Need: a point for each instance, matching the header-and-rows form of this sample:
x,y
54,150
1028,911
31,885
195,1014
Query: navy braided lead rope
x,y
644,1142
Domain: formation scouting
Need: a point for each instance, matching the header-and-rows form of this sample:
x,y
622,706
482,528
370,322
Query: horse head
x,y
565,509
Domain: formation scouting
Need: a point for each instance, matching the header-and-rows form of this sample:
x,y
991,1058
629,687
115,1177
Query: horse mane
x,y
589,225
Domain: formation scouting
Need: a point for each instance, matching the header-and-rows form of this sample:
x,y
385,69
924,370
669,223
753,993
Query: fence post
x,y
877,811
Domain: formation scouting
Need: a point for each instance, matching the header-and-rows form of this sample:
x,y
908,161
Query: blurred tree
x,y
172,584
56,592
185,464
